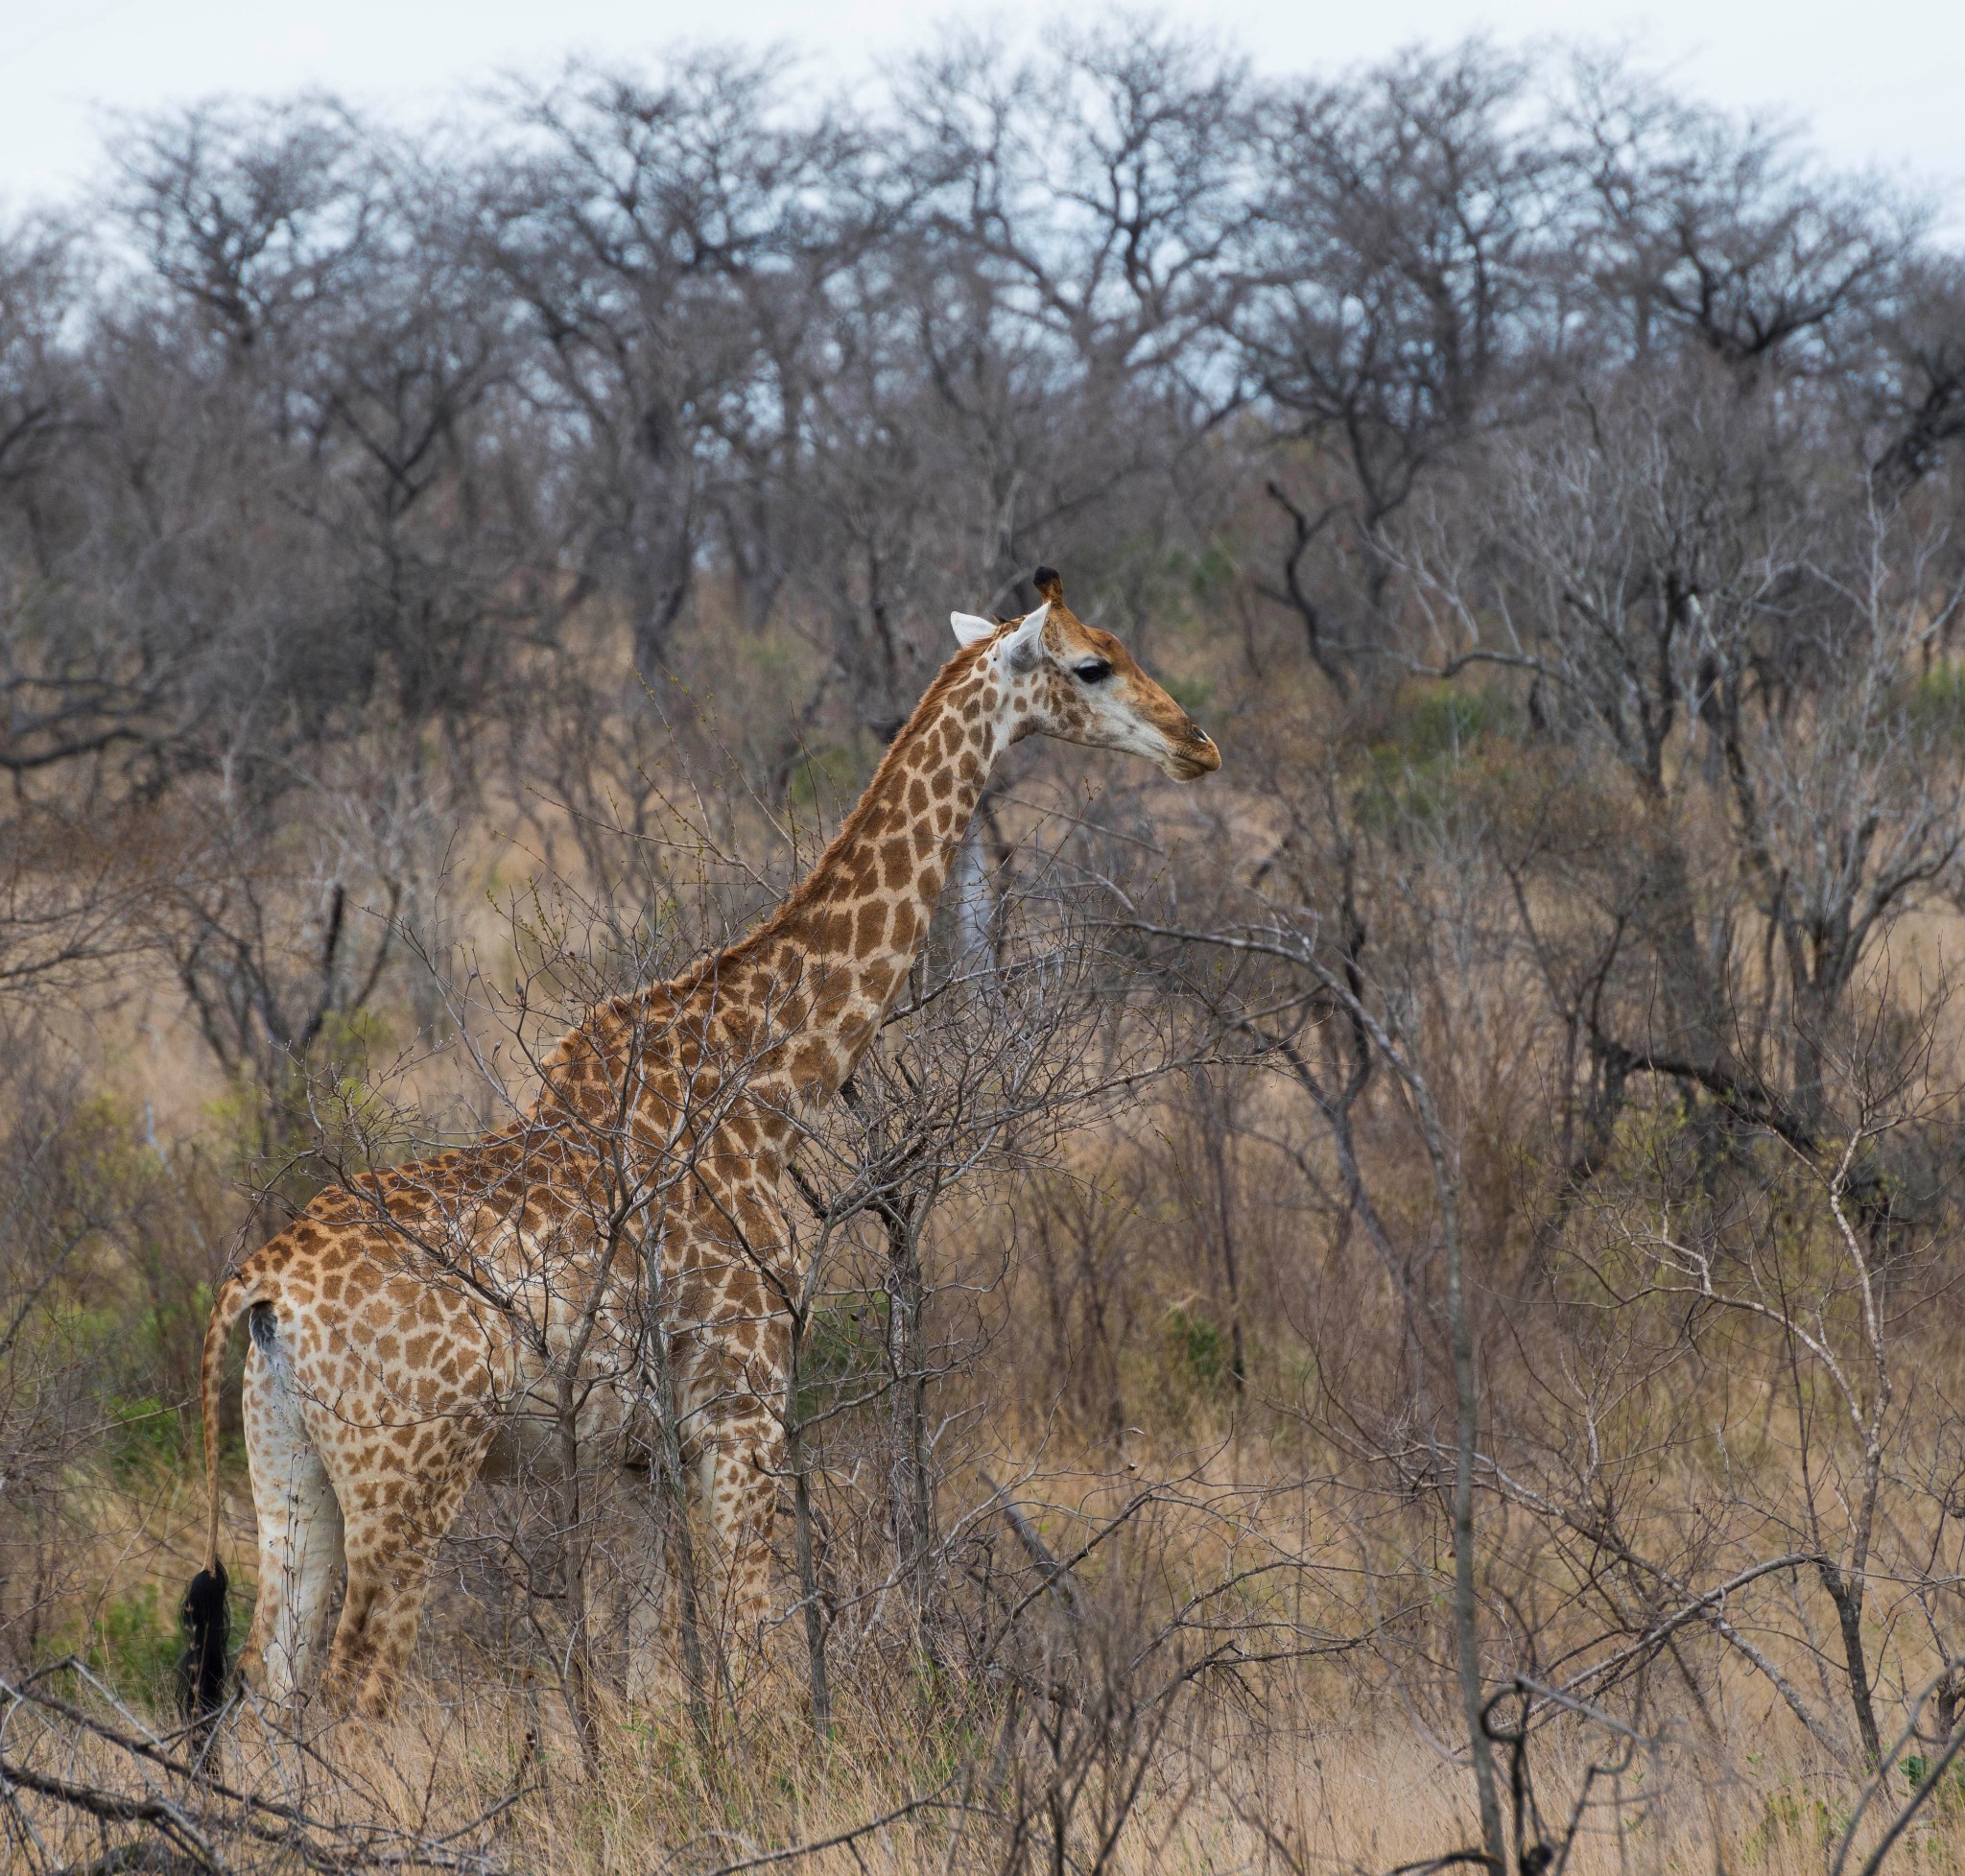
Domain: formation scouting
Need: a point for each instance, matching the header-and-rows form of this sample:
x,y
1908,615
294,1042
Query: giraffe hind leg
x,y
299,1522
391,1543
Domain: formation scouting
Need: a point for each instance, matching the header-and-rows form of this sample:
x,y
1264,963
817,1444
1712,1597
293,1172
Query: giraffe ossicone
x,y
423,1321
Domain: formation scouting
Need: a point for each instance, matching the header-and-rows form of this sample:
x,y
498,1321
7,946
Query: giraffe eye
x,y
1094,671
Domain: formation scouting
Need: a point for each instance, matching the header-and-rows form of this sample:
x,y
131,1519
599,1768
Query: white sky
x,y
1880,83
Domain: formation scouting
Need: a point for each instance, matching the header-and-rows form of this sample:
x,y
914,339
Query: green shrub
x,y
844,1351
145,1436
1200,1350
1937,703
134,1645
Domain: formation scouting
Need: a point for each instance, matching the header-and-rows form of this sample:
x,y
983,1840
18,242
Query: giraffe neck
x,y
825,969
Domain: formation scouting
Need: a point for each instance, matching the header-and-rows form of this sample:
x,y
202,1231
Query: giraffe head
x,y
1065,678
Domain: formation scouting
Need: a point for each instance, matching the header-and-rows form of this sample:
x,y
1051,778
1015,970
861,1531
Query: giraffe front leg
x,y
733,1376
744,1462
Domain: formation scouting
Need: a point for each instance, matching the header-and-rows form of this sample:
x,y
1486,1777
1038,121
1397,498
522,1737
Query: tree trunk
x,y
911,1492
671,1486
801,1537
577,1674
1846,1592
1214,1131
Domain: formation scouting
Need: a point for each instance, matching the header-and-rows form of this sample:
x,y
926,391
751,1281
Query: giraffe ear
x,y
1022,649
969,629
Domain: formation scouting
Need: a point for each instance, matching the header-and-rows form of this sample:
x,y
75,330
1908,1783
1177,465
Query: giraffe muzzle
x,y
1196,755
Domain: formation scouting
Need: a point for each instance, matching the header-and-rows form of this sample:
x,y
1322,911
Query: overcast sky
x,y
1879,83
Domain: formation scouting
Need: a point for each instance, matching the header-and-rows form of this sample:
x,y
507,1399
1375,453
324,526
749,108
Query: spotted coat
x,y
417,1321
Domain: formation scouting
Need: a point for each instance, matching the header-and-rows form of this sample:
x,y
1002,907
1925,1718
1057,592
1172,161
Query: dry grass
x,y
1304,1765
498,1777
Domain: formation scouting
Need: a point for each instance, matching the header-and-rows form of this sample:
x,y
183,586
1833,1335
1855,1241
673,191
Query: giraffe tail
x,y
207,1627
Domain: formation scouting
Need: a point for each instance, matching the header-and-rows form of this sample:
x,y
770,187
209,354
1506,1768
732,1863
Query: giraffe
x,y
415,1322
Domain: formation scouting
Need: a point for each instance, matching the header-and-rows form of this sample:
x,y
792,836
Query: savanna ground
x,y
1458,1215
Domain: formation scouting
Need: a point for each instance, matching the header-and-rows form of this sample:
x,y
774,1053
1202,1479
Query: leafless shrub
x,y
1446,1248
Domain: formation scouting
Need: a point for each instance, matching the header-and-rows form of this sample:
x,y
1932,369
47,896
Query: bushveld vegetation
x,y
1403,1300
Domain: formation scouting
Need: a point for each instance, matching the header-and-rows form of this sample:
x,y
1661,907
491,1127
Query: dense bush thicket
x,y
1472,1194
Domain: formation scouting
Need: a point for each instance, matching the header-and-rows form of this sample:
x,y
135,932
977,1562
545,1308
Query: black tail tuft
x,y
207,1629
